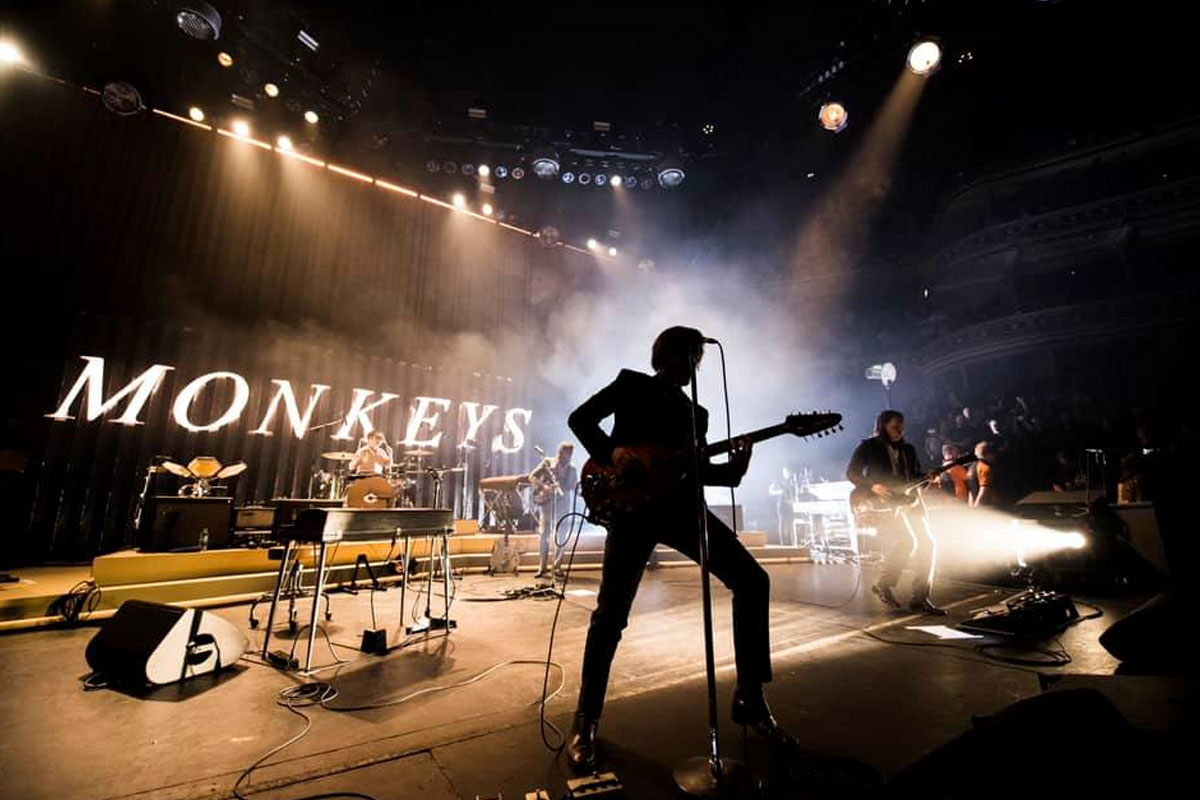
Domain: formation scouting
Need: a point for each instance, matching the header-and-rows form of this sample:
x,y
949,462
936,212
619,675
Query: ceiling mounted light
x,y
548,235
924,57
199,20
484,170
311,117
458,200
612,251
241,127
601,178
592,244
487,209
585,178
671,177
568,177
433,165
450,167
196,114
545,164
284,143
647,183
518,173
833,116
501,171
271,90
468,169
224,59
10,54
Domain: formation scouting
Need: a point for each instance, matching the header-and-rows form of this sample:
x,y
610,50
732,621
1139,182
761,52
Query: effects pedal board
x,y
1032,614
602,784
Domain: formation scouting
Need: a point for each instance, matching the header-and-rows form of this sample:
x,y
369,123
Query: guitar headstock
x,y
815,423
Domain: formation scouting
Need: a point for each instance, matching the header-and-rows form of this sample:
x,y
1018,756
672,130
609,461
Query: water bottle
x,y
203,539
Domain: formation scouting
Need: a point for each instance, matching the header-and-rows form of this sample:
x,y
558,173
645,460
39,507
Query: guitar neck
x,y
760,435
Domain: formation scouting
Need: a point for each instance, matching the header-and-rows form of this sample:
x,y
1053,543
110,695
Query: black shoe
x,y
750,709
541,573
581,744
884,593
926,606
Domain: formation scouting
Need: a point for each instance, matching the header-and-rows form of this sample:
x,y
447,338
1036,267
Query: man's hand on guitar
x,y
879,490
622,457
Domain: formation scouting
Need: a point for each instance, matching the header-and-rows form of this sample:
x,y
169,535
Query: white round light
x,y
10,53
459,201
612,251
833,116
487,209
196,114
241,127
284,143
592,244
311,117
224,59
271,90
924,57
484,170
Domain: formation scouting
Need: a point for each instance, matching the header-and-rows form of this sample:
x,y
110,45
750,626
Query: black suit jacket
x,y
646,410
871,464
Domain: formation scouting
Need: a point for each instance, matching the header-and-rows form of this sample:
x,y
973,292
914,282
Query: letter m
x,y
91,385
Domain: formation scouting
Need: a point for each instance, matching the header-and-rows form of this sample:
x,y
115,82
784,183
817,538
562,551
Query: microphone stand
x,y
711,775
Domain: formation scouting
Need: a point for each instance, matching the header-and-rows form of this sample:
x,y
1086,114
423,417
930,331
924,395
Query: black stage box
x,y
185,523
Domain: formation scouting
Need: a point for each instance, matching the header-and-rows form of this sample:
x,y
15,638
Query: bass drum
x,y
370,492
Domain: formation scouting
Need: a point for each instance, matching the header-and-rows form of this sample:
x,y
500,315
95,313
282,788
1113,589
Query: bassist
x,y
653,410
883,466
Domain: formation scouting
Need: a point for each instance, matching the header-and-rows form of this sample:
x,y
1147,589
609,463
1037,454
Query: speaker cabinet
x,y
185,523
151,643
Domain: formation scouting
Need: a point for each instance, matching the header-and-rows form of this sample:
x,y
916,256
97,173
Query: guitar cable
x,y
577,519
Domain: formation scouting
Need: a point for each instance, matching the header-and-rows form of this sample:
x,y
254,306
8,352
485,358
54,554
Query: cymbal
x,y
338,455
419,453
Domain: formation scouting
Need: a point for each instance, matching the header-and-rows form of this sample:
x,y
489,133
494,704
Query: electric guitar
x,y
866,504
656,472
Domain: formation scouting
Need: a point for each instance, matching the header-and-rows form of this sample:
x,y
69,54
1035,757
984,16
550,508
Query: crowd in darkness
x,y
1058,442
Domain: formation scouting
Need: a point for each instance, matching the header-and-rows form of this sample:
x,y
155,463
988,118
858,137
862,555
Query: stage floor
x,y
840,691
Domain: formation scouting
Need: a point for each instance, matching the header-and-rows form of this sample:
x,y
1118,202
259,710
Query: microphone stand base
x,y
696,778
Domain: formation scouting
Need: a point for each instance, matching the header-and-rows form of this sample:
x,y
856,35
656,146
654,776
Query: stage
x,y
839,688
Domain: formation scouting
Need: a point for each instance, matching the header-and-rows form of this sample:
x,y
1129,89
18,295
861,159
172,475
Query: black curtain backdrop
x,y
142,240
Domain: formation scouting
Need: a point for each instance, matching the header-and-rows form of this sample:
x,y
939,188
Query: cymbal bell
x,y
338,455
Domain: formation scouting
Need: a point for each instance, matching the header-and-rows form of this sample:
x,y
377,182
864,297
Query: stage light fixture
x,y
224,59
670,177
468,169
601,178
199,20
592,244
501,172
568,177
484,170
450,167
241,127
630,182
833,116
433,165
284,143
196,114
311,117
458,200
10,53
487,209
548,236
585,178
615,182
924,57
271,90
518,173
612,251
647,183
545,164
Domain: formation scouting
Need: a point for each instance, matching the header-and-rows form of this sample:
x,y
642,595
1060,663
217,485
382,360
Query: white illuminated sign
x,y
422,428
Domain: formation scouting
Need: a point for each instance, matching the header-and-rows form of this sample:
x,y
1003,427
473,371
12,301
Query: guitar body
x,y
869,507
612,494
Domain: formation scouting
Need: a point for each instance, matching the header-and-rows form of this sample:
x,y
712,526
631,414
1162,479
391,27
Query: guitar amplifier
x,y
185,523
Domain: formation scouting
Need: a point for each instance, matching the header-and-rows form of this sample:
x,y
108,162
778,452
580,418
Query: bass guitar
x,y
867,505
656,473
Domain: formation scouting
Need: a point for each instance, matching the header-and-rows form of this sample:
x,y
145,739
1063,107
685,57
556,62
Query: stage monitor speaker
x,y
722,513
185,523
152,643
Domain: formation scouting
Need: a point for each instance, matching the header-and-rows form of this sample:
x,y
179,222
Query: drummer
x,y
373,457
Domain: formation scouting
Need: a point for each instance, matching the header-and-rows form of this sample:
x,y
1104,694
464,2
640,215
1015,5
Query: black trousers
x,y
908,539
626,551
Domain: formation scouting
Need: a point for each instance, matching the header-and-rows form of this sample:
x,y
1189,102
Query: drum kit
x,y
410,482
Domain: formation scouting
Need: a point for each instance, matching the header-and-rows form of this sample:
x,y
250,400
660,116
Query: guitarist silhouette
x,y
653,410
881,469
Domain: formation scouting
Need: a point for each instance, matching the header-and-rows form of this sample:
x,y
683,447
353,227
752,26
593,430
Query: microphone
x,y
540,451
708,340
